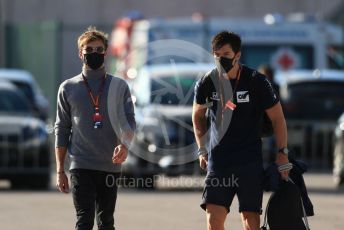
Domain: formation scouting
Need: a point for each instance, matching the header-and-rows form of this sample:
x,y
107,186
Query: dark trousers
x,y
94,192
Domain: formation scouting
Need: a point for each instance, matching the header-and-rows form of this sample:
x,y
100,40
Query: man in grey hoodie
x,y
95,125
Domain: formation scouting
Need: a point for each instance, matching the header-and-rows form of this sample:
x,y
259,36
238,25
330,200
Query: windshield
x,y
173,90
11,102
315,100
335,57
26,89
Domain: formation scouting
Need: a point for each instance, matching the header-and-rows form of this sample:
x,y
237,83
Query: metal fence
x,y
312,141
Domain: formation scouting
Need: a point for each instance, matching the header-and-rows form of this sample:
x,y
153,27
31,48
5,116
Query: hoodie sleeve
x,y
127,117
63,122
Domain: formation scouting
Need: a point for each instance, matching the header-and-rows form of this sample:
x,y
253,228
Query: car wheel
x,y
18,183
40,182
36,182
145,182
138,181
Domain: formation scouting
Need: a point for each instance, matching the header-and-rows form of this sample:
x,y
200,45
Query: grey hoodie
x,y
90,148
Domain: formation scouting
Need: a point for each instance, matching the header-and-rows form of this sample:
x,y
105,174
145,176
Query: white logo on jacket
x,y
215,96
243,97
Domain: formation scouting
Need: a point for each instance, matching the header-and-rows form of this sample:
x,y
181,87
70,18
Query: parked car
x,y
24,141
164,143
312,102
312,95
338,153
27,84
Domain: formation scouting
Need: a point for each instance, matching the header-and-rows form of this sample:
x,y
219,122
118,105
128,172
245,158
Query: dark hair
x,y
226,37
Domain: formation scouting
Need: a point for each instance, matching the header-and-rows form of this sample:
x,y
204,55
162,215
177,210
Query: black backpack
x,y
285,210
266,125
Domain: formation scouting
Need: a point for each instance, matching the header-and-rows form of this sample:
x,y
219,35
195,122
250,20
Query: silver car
x,y
26,83
24,142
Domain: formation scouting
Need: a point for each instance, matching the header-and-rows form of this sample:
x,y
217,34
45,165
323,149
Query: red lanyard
x,y
95,100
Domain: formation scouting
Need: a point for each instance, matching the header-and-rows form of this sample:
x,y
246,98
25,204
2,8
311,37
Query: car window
x,y
173,90
167,59
318,89
26,90
315,100
335,56
11,101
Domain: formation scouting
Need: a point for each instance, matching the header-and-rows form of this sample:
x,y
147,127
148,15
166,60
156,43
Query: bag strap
x,y
265,223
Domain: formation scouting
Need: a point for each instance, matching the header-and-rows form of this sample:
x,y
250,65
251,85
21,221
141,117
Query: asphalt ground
x,y
174,205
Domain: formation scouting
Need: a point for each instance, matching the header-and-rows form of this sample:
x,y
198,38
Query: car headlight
x,y
30,133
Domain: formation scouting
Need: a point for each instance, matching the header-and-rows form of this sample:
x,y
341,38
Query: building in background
x,y
41,34
294,42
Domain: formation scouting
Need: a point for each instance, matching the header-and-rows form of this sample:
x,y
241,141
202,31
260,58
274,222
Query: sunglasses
x,y
89,49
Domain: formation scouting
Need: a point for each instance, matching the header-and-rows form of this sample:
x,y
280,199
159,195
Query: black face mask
x,y
94,60
226,63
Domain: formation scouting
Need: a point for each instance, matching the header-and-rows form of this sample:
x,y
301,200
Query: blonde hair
x,y
90,35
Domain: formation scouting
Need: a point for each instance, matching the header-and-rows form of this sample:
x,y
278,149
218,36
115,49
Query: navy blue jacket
x,y
273,180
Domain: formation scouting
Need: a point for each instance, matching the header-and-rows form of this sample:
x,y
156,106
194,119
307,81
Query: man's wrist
x,y
284,151
282,155
60,172
202,151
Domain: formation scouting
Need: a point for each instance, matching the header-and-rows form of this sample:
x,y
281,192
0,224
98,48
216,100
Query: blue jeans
x,y
94,192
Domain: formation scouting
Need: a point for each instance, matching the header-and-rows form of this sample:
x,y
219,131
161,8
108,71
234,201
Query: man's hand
x,y
62,182
281,160
120,154
203,161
